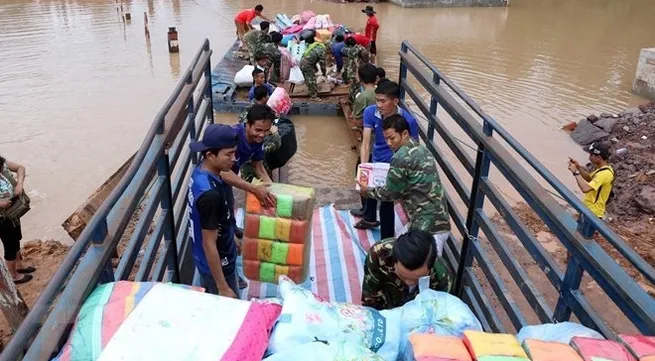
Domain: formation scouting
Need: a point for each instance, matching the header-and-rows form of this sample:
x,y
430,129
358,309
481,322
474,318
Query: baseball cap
x,y
217,136
600,148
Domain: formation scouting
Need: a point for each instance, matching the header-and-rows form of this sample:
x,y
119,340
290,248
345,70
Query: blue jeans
x,y
210,286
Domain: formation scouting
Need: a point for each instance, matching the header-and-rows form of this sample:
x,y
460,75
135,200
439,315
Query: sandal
x,y
364,224
25,270
24,279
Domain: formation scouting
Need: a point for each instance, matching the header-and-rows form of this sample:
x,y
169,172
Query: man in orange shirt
x,y
243,20
371,31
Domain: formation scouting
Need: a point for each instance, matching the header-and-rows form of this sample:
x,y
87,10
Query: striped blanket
x,y
336,266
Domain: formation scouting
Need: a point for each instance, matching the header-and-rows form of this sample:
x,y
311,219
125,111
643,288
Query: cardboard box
x,y
373,174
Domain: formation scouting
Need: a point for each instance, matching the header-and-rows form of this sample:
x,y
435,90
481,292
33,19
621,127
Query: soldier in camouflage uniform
x,y
272,142
272,52
393,268
315,54
355,55
255,40
414,181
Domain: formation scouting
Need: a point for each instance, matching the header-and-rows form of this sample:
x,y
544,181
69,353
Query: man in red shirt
x,y
243,20
360,39
371,31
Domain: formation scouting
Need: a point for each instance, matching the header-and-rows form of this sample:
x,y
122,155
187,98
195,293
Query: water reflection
x,y
80,86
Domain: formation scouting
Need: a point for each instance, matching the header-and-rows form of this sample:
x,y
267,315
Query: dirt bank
x,y
45,256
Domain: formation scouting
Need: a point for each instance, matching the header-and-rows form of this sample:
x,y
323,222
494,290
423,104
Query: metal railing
x,y
586,255
152,195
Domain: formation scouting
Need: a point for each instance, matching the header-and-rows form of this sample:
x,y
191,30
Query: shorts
x,y
439,239
372,48
10,234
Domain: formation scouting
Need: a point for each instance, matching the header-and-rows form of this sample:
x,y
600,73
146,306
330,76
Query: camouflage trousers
x,y
353,90
309,73
248,171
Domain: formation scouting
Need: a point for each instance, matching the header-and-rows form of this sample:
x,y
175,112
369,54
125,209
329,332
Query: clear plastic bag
x,y
277,241
326,351
561,332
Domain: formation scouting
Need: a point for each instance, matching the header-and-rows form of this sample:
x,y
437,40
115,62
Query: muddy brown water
x,y
80,87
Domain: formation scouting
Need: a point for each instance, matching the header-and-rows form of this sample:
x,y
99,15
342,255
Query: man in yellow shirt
x,y
596,185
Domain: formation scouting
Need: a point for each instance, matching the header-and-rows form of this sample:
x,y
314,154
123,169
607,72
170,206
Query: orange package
x,y
444,347
550,351
295,257
253,205
251,269
492,344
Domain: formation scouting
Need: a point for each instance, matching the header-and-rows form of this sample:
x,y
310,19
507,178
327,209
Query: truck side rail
x,y
586,255
152,194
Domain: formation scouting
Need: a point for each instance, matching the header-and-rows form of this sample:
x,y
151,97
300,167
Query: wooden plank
x,y
77,221
355,129
12,304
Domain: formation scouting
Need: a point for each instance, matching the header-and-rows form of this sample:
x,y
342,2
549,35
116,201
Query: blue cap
x,y
217,136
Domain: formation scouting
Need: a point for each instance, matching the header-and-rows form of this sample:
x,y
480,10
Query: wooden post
x,y
12,304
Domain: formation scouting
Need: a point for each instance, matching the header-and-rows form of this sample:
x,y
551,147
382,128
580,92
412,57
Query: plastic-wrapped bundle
x,y
592,349
482,344
306,15
280,101
323,35
433,347
549,351
561,332
297,49
277,240
306,318
642,347
326,351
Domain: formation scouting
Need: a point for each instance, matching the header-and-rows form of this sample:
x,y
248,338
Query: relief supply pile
x,y
133,321
277,240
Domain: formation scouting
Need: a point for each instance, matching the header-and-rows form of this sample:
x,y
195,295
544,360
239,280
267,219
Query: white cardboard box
x,y
373,174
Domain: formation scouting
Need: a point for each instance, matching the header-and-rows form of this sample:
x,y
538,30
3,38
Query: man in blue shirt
x,y
386,104
259,79
210,225
336,51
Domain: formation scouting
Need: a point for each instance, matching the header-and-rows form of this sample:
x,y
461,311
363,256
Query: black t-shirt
x,y
214,213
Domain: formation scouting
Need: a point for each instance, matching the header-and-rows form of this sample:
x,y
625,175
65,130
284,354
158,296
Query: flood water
x,y
79,87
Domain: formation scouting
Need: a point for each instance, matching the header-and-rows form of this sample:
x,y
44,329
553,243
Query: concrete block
x,y
644,83
449,3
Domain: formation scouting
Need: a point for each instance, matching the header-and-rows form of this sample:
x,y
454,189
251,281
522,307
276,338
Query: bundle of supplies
x,y
494,346
429,347
642,347
323,35
277,240
372,174
592,349
243,78
133,321
561,332
549,351
307,318
326,351
280,101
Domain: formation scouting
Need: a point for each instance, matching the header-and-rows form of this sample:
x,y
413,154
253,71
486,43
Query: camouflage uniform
x,y
315,54
272,142
352,54
271,51
383,289
413,179
255,40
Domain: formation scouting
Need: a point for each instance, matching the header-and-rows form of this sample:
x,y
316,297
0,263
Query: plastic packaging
x,y
306,15
561,332
592,349
243,78
323,35
295,75
482,344
641,346
549,351
326,351
436,347
373,174
280,101
150,321
277,241
306,317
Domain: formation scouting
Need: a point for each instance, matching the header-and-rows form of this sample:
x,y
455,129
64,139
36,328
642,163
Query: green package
x,y
284,205
267,272
280,252
266,227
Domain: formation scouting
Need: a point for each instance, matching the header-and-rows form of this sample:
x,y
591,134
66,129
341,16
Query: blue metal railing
x,y
585,254
152,193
